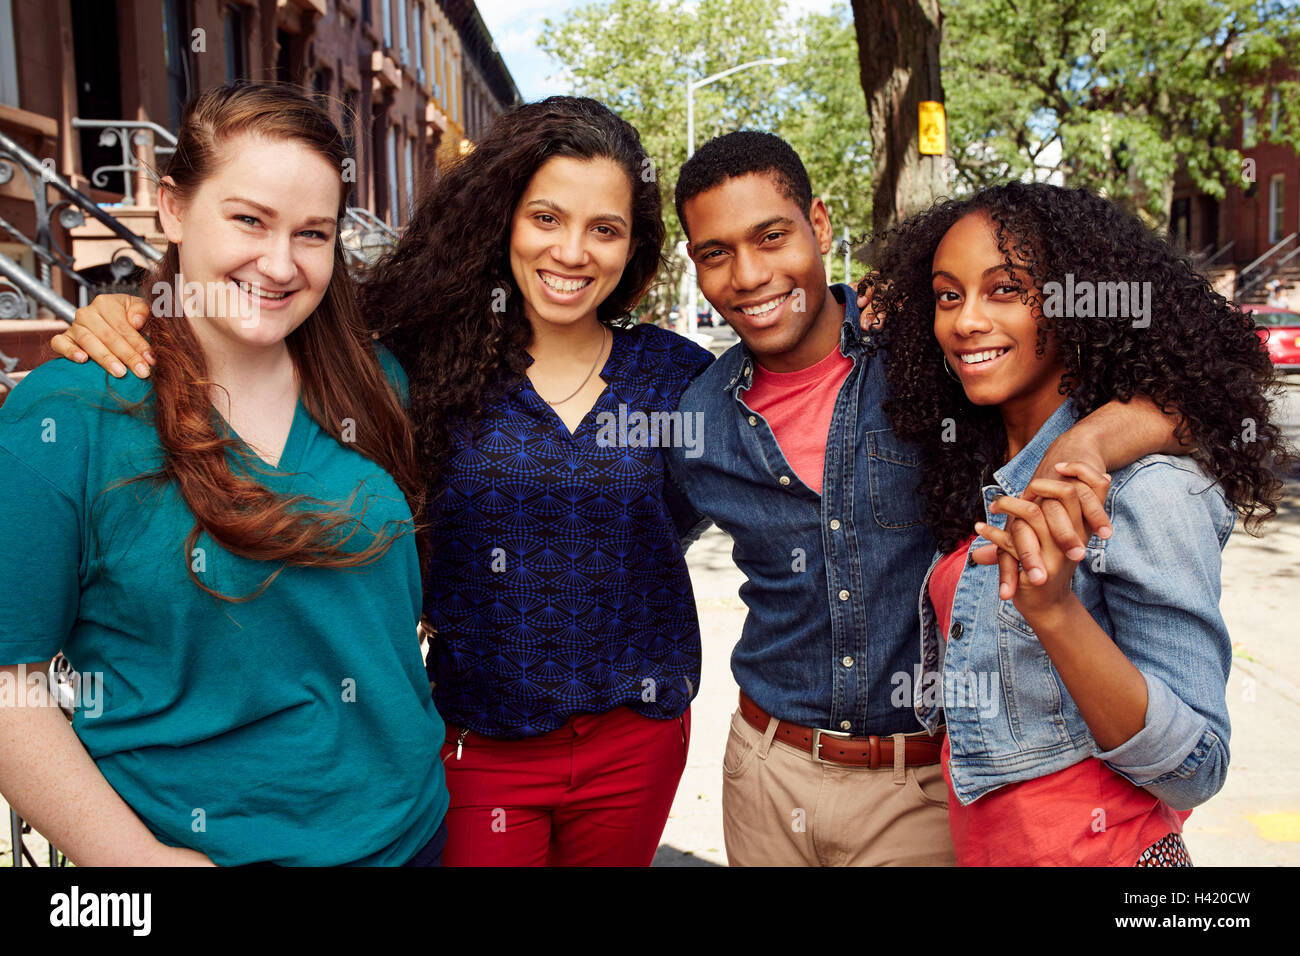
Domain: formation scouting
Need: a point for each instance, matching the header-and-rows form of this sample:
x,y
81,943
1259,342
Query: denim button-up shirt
x,y
832,578
1153,587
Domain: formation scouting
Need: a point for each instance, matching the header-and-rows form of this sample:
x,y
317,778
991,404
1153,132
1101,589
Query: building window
x,y
417,32
401,31
348,125
176,56
8,59
392,176
433,61
388,23
444,77
288,58
1276,206
410,178
235,35
1180,222
320,87
1248,134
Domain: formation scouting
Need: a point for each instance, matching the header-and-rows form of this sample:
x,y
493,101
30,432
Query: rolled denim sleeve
x,y
1160,575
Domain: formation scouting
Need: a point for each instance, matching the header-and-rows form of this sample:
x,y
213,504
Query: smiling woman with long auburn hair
x,y
228,550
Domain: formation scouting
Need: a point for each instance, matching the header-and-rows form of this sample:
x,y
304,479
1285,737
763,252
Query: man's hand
x,y
107,331
1113,436
868,319
1044,593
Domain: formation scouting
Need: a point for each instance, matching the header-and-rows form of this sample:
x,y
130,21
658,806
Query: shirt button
x,y
844,595
835,524
847,662
845,725
785,480
955,631
753,420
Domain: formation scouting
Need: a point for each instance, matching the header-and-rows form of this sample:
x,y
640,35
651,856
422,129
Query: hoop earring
x,y
947,368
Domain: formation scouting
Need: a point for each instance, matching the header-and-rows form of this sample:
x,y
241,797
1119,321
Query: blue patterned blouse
x,y
559,585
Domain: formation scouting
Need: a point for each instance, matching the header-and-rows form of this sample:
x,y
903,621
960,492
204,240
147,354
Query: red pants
x,y
596,792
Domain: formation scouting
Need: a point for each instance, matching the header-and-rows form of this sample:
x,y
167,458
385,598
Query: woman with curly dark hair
x,y
567,646
1087,715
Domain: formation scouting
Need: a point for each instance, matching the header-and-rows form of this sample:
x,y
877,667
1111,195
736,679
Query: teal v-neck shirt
x,y
295,728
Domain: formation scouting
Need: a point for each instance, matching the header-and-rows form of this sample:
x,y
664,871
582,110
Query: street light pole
x,y
692,321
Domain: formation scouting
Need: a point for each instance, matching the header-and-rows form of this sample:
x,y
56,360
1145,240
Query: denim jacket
x,y
832,578
1153,587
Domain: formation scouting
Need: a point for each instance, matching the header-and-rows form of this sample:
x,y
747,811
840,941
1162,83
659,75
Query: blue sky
x,y
515,25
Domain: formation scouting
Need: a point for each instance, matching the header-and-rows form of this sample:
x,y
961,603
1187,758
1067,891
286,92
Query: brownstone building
x,y
1251,237
91,90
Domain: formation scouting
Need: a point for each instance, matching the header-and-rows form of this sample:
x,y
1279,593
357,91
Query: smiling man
x,y
825,762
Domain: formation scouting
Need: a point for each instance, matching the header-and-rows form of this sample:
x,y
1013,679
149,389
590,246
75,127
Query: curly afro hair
x,y
1199,357
739,154
436,298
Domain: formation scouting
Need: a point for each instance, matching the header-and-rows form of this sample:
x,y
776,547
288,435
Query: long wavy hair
x,y
444,299
1198,357
341,379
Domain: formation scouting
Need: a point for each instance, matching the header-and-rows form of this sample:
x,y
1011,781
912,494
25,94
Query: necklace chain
x,y
604,331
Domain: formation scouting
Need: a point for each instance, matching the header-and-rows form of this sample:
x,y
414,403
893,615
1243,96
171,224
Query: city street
x,y
1253,821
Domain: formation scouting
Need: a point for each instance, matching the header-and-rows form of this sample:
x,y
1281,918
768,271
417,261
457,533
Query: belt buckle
x,y
817,739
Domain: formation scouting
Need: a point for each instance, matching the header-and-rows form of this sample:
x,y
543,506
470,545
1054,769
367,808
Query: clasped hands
x,y
1046,533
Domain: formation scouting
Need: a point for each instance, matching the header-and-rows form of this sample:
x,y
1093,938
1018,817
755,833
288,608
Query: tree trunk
x,y
898,57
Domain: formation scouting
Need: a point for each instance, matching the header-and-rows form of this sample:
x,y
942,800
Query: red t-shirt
x,y
798,406
1084,815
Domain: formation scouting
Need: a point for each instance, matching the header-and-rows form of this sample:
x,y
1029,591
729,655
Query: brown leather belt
x,y
837,747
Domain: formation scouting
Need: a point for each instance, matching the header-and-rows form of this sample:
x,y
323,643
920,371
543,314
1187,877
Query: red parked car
x,y
1280,328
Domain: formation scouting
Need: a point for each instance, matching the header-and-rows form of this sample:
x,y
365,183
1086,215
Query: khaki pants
x,y
780,807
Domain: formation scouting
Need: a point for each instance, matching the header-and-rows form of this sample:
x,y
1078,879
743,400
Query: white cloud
x,y
516,42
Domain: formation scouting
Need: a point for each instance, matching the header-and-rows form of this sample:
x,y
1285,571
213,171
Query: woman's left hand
x,y
1050,593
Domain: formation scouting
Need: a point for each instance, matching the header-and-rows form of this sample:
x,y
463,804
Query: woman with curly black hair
x,y
566,646
1087,715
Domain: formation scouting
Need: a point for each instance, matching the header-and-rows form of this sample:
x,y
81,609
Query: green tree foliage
x,y
1114,94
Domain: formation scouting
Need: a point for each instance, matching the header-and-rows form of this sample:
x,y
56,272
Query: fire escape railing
x,y
1244,287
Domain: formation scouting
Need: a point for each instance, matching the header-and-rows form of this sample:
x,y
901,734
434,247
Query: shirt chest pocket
x,y
894,469
1032,691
